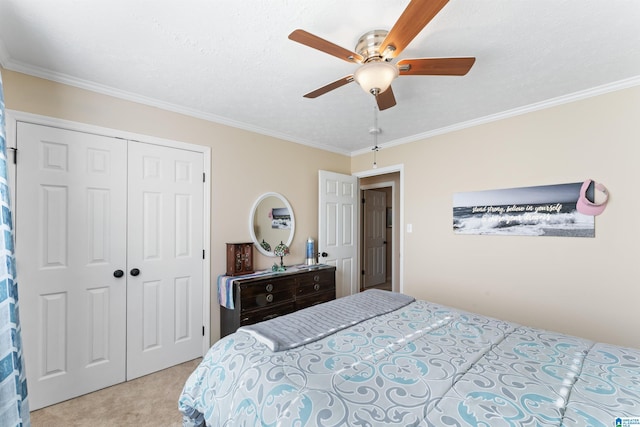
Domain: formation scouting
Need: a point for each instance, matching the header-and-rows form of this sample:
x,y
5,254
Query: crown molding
x,y
9,64
553,102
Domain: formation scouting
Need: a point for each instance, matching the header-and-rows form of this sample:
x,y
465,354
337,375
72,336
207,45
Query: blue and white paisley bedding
x,y
421,365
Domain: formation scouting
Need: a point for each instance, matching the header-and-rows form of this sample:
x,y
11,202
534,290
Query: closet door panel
x,y
165,244
70,238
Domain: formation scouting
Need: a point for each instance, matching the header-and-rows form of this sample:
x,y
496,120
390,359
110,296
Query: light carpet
x,y
151,400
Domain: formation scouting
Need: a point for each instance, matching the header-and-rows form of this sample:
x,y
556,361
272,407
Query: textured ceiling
x,y
231,62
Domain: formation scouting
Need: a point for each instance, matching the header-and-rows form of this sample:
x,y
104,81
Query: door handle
x,y
134,272
118,273
323,254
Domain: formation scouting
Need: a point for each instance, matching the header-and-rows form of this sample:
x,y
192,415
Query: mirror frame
x,y
253,213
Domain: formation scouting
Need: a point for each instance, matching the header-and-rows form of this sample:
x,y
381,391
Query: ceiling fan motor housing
x,y
368,45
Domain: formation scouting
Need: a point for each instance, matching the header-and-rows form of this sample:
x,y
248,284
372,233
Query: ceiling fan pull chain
x,y
375,123
375,130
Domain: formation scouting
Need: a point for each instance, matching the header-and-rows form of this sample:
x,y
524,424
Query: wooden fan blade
x,y
386,99
435,66
331,86
308,39
414,18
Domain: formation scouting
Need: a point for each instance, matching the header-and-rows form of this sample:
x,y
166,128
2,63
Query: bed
x,y
382,358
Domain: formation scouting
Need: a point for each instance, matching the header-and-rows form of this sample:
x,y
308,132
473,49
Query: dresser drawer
x,y
266,293
249,317
317,281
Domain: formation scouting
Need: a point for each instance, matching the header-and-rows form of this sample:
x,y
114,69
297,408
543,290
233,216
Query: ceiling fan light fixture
x,y
376,76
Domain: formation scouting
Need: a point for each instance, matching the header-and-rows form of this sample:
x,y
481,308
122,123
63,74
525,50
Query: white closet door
x,y
71,237
165,325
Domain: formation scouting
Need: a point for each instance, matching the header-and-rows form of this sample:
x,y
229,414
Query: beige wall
x,y
244,164
583,286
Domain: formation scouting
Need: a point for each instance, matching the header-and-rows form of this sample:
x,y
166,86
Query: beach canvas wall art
x,y
548,210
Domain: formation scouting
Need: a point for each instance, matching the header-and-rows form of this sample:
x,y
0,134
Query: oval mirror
x,y
271,221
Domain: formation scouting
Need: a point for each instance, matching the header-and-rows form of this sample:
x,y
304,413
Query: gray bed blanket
x,y
316,322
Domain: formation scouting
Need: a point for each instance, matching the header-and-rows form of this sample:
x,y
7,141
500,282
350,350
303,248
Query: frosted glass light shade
x,y
375,77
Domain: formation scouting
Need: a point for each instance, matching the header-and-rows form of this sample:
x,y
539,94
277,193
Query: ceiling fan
x,y
375,49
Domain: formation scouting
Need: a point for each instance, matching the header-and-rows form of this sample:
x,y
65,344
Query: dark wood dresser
x,y
263,297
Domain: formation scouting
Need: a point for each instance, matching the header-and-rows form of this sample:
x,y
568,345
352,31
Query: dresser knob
x,y
316,287
316,278
269,287
269,297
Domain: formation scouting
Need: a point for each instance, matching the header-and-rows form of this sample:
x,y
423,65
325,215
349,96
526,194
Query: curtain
x,y
14,406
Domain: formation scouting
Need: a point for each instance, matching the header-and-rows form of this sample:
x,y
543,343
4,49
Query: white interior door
x,y
70,223
165,323
375,236
337,228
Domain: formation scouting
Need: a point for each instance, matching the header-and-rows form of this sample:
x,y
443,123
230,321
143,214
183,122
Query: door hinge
x,y
15,154
203,177
203,331
203,254
363,200
363,272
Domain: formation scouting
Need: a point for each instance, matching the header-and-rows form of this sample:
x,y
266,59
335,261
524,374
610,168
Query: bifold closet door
x,y
109,252
71,241
165,257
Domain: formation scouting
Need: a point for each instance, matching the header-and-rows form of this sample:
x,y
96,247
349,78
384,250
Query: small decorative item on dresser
x,y
281,250
239,258
311,252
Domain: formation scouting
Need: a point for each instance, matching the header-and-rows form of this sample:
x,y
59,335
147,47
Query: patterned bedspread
x,y
421,365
